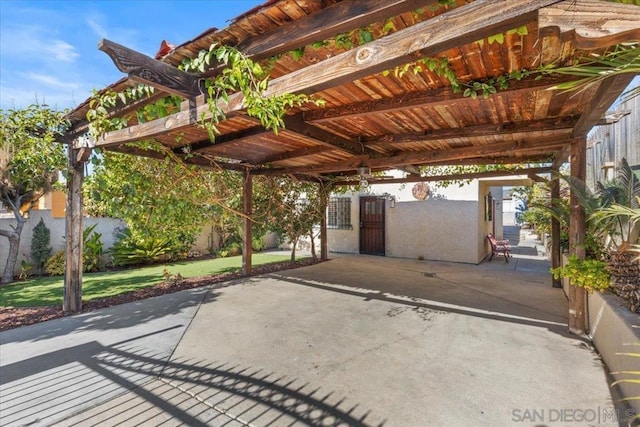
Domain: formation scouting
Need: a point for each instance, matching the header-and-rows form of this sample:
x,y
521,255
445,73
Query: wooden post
x,y
324,244
577,231
72,301
556,251
247,196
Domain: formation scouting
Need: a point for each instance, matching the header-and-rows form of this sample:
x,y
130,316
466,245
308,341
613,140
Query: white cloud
x,y
52,81
99,25
62,51
97,28
28,42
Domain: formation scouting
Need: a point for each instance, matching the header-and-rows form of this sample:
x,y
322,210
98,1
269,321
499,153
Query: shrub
x,y
26,270
128,250
232,249
55,264
258,244
590,274
40,245
91,250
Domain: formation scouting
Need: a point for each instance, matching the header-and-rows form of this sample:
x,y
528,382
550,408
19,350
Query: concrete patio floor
x,y
356,341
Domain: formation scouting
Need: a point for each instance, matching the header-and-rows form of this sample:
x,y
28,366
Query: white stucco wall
x,y
105,226
451,227
442,230
56,226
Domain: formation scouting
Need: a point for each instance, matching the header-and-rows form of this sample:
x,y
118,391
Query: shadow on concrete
x,y
116,317
72,382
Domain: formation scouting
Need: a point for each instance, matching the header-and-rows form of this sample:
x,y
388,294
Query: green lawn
x,y
44,291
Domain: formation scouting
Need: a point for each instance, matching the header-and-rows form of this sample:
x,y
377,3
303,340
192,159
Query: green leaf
x,y
388,27
499,38
297,54
365,36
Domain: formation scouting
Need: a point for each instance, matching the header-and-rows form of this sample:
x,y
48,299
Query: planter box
x,y
615,330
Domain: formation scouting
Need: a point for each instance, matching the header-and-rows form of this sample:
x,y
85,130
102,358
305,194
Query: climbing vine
x,y
102,102
241,74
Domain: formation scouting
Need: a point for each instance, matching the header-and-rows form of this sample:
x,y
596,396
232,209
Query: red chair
x,y
502,247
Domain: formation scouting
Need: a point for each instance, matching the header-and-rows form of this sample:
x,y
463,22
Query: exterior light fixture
x,y
364,171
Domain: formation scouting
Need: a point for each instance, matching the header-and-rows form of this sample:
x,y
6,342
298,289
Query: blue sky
x,y
48,49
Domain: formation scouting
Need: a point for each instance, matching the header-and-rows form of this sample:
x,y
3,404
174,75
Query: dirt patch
x,y
21,316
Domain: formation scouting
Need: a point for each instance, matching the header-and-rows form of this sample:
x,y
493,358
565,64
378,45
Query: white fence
x,y
105,226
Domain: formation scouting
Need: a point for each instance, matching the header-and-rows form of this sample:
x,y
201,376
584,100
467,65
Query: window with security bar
x,y
339,213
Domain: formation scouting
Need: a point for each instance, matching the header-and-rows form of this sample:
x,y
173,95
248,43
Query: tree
x,y
30,161
160,201
40,245
300,208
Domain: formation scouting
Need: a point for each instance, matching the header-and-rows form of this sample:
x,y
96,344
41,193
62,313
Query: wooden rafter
x,y
222,140
495,160
559,124
144,69
298,125
324,24
302,152
418,99
463,25
208,162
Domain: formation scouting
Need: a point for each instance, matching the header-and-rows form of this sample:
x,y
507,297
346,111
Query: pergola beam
x,y
222,140
323,24
470,175
606,94
420,157
298,125
144,69
456,27
302,152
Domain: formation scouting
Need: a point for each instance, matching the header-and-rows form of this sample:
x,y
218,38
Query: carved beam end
x,y
150,71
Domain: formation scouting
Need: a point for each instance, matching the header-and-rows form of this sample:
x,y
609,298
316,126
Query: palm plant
x,y
624,212
621,199
594,68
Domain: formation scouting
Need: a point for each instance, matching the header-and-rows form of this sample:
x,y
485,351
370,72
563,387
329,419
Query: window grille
x,y
339,213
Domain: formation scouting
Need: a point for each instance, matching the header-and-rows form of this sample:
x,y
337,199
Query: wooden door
x,y
372,225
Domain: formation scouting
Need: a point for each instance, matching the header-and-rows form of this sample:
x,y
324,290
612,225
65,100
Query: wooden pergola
x,y
375,118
